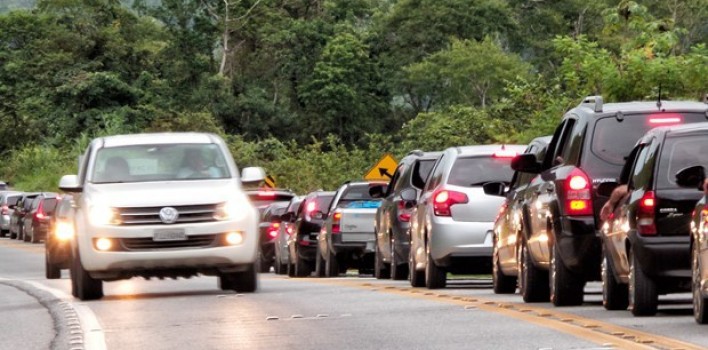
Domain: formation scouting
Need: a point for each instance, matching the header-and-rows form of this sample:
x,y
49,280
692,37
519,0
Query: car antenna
x,y
658,101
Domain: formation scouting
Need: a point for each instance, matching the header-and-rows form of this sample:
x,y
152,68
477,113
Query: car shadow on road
x,y
469,284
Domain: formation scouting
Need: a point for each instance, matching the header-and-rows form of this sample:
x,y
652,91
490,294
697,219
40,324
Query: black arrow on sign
x,y
384,172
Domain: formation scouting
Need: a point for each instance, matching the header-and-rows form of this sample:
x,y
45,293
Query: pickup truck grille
x,y
198,241
151,215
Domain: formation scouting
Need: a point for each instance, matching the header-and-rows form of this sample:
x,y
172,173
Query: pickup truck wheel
x,y
243,281
643,296
502,284
416,278
381,271
700,302
86,287
399,271
435,277
533,282
319,264
331,264
51,271
615,295
566,287
3,233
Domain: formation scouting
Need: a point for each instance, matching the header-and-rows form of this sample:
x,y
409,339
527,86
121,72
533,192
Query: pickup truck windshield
x,y
169,162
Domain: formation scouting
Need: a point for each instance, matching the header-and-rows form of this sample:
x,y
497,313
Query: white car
x,y
161,205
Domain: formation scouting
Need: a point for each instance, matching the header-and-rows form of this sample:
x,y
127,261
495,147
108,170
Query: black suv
x,y
646,241
507,239
562,208
393,217
302,244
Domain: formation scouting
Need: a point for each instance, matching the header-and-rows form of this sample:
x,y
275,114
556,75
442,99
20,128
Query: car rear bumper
x,y
452,239
580,247
662,256
218,254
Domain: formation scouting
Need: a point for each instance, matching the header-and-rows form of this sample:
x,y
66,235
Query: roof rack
x,y
593,102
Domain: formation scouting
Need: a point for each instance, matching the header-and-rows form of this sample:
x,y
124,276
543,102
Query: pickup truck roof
x,y
156,139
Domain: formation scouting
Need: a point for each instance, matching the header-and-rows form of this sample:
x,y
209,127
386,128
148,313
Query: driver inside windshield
x,y
194,166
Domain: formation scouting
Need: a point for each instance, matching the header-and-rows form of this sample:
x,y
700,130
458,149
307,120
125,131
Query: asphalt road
x,y
343,313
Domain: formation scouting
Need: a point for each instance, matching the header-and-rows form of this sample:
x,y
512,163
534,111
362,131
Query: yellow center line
x,y
601,333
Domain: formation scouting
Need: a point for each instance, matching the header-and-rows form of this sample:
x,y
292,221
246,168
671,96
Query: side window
x,y
560,149
395,181
643,170
548,159
574,144
35,203
626,173
436,174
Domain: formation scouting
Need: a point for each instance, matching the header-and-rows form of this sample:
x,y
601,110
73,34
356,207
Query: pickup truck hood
x,y
172,193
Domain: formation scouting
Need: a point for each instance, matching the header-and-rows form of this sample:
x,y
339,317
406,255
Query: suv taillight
x,y
646,225
577,194
39,215
444,199
336,218
404,214
273,230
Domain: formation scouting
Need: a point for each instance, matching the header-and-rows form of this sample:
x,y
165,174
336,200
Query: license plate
x,y
169,235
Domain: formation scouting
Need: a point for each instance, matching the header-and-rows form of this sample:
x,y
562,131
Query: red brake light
x,y
40,211
665,119
444,199
577,194
645,217
266,194
404,214
336,217
504,154
311,207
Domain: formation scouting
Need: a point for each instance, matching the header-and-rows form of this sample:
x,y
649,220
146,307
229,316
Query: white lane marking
x,y
94,337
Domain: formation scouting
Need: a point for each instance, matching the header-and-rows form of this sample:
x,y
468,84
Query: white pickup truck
x,y
347,237
161,205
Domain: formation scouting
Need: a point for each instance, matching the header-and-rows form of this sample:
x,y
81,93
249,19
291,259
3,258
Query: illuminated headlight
x,y
234,238
64,231
103,215
103,244
231,210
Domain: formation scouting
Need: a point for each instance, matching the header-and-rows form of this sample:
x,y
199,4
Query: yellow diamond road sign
x,y
383,169
270,181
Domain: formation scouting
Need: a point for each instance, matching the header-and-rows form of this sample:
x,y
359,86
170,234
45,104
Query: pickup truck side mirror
x,y
377,191
692,176
526,163
605,189
494,189
70,183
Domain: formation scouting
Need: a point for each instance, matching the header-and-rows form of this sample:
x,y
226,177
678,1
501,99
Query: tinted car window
x,y
12,200
49,205
421,172
679,153
476,171
320,202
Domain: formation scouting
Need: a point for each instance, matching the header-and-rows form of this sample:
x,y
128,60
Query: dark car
x,y
646,241
262,198
57,245
17,219
302,243
695,177
268,228
393,218
36,221
287,222
507,238
8,201
561,210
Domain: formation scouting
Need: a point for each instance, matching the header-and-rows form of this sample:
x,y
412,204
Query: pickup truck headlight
x,y
231,210
103,215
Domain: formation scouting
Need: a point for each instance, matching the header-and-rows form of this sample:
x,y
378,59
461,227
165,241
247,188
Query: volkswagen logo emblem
x,y
169,215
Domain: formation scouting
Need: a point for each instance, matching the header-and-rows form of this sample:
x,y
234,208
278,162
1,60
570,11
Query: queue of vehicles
x,y
612,196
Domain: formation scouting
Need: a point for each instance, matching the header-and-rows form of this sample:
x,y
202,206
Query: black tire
x,y
700,302
381,269
51,271
502,284
399,271
533,282
319,264
643,295
303,268
280,267
435,276
415,277
263,262
331,264
87,288
3,233
615,295
13,235
242,282
566,287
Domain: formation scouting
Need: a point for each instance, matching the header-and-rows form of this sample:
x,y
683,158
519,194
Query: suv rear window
x,y
321,202
49,205
12,200
476,171
422,170
612,140
679,153
275,212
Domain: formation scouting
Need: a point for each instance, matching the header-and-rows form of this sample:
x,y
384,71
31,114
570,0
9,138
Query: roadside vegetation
x,y
317,90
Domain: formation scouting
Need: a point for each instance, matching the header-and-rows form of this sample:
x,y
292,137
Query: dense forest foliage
x,y
316,90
